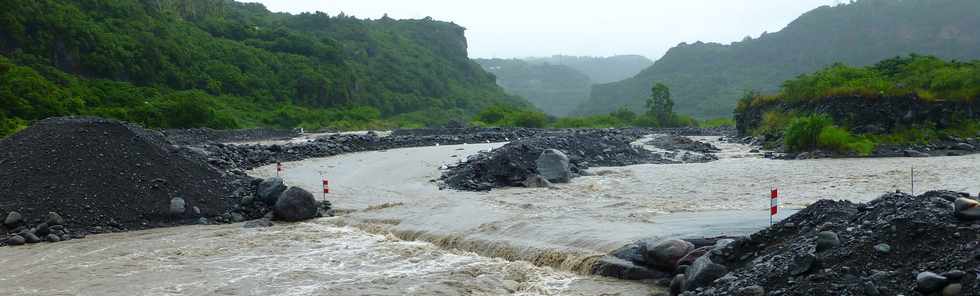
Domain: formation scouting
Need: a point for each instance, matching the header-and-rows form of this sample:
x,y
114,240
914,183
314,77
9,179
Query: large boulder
x,y
270,189
967,209
703,272
666,254
618,268
295,204
553,166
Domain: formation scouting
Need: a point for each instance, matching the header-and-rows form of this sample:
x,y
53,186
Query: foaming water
x,y
592,215
311,258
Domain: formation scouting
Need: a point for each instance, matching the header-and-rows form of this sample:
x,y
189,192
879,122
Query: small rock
x,y
870,289
803,265
928,282
55,219
964,147
53,238
16,240
13,218
827,240
954,275
177,206
752,291
30,238
953,290
618,268
677,284
914,153
883,248
967,209
42,229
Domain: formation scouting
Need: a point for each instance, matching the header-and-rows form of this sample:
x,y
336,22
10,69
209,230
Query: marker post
x,y
773,204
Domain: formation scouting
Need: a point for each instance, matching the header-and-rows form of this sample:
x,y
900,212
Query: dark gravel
x,y
883,246
195,136
103,175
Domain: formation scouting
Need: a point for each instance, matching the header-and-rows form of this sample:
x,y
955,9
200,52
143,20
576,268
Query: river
x,y
401,235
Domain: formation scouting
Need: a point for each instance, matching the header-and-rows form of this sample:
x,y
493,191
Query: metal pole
x,y
912,180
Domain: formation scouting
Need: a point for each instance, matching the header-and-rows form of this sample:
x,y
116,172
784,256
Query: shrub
x,y
840,140
803,133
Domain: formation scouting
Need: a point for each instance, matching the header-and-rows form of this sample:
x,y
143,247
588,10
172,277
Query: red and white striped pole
x,y
326,188
773,204
278,169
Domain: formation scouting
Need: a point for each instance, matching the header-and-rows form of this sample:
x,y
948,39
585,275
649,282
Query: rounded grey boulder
x,y
16,240
55,219
270,189
928,282
665,255
827,240
177,206
553,166
30,237
296,204
703,272
12,218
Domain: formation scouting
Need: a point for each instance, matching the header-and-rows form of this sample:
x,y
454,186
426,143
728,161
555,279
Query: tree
x,y
659,104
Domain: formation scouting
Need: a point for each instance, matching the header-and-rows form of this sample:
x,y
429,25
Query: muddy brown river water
x,y
404,236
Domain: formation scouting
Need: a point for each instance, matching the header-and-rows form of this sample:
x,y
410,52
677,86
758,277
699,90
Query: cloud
x,y
520,28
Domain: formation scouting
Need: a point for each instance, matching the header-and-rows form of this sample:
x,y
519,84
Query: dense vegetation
x,y
923,80
554,89
220,63
599,69
658,114
708,78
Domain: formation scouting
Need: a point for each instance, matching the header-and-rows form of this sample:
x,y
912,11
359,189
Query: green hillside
x,y
220,63
708,78
554,89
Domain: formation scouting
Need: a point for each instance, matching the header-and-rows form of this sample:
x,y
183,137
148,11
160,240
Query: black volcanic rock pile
x,y
203,135
101,175
512,164
897,244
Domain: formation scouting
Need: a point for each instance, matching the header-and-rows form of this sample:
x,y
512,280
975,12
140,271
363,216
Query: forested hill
x,y
555,89
220,63
706,79
600,69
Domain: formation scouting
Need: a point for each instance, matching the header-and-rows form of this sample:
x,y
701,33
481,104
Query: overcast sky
x,y
522,28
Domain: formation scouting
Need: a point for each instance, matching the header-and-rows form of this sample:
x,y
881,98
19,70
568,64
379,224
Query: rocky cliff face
x,y
864,115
